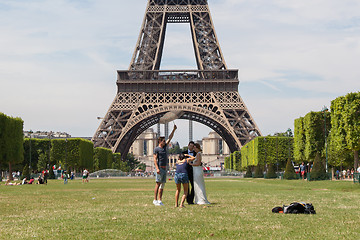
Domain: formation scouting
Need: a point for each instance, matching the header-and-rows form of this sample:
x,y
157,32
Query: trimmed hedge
x,y
267,150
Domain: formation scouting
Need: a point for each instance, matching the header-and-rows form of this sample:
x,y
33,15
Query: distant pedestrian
x,y
337,174
302,170
45,175
85,176
65,177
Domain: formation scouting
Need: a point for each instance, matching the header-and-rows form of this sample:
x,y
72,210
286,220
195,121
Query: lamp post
x,y
66,141
289,133
265,151
277,155
50,133
31,132
324,110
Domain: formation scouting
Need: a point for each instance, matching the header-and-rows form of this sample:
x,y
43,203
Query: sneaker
x,y
160,203
156,203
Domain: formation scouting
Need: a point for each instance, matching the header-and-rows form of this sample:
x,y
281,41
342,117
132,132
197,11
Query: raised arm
x,y
171,135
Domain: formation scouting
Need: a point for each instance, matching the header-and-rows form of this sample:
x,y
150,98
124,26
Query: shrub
x,y
259,171
271,172
248,173
318,171
289,171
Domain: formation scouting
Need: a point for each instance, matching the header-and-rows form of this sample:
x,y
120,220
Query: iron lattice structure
x,y
208,95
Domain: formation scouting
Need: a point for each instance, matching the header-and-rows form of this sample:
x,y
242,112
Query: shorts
x,y
302,173
181,178
84,177
161,177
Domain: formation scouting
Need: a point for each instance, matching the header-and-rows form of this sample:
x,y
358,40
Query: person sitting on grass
x,y
181,177
9,183
24,181
40,180
31,181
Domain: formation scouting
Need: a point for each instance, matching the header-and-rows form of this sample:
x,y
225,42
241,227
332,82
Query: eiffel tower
x,y
208,95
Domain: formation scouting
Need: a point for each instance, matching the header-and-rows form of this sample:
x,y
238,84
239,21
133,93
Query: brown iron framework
x,y
208,95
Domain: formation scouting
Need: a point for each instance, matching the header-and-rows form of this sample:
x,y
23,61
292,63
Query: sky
x,y
58,58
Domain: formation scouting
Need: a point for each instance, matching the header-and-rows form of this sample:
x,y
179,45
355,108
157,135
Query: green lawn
x,y
123,209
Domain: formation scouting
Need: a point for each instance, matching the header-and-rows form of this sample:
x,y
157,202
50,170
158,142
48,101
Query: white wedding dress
x,y
199,183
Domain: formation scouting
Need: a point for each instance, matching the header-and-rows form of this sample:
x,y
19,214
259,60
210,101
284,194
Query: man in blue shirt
x,y
161,163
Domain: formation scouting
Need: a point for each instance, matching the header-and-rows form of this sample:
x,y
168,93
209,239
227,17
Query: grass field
x,y
123,209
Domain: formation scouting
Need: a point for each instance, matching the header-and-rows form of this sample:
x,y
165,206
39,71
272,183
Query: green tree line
x,y
332,136
325,135
73,154
11,142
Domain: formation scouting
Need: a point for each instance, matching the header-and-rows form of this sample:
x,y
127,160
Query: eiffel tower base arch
x,y
132,113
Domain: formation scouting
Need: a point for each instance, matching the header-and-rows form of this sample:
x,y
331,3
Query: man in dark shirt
x,y
161,162
189,169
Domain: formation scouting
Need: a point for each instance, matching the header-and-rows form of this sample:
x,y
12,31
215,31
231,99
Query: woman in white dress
x,y
199,183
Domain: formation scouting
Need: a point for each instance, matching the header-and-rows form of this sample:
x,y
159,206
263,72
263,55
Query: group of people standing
x,y
188,170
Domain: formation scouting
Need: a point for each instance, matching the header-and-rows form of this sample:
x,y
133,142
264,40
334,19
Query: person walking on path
x,y
161,163
190,151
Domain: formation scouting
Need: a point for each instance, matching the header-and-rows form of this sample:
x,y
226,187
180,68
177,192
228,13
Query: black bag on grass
x,y
296,208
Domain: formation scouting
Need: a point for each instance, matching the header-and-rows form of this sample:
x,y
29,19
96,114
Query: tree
x,y
227,163
42,162
131,161
142,166
266,150
314,127
3,120
51,173
175,150
236,160
289,171
102,157
345,121
26,172
11,141
299,140
38,146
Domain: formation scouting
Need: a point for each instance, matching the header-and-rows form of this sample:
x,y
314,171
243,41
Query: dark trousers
x,y
190,196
